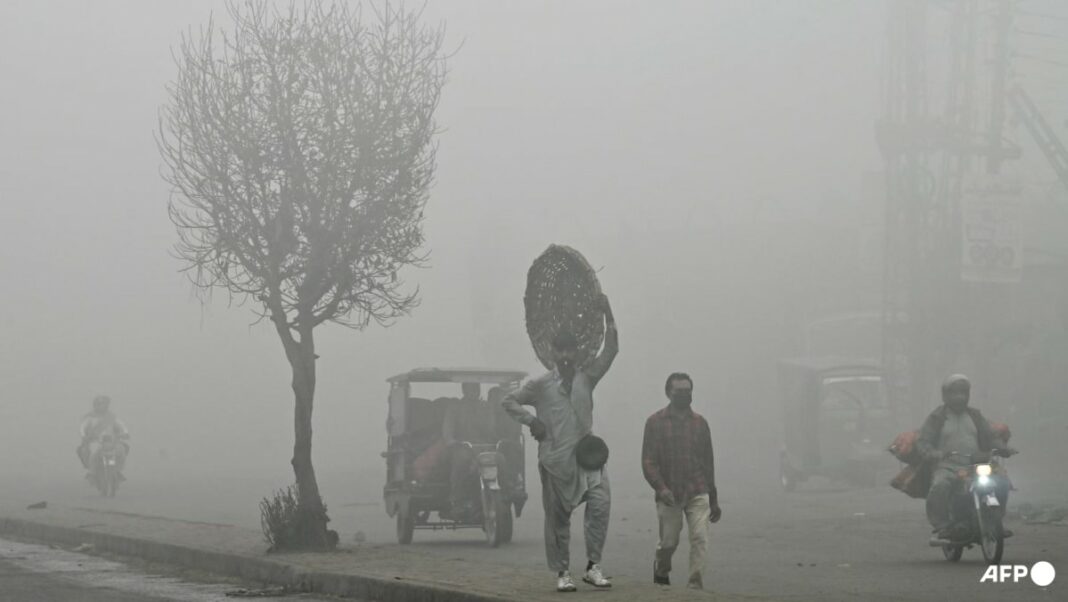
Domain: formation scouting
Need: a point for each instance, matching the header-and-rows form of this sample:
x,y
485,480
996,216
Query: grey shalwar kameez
x,y
565,485
960,435
965,432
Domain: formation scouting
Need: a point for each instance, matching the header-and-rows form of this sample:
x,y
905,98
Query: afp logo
x,y
1042,573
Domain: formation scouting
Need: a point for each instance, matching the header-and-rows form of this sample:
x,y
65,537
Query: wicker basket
x,y
562,293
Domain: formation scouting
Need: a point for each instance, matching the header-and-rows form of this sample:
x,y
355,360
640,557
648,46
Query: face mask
x,y
956,400
682,397
957,405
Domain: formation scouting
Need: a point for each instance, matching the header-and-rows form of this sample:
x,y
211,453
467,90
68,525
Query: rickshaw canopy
x,y
830,366
458,375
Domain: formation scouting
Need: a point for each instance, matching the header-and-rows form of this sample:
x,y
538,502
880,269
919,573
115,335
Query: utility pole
x,y
929,155
909,187
998,91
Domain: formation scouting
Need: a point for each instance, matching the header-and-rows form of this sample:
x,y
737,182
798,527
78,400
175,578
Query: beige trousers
x,y
696,512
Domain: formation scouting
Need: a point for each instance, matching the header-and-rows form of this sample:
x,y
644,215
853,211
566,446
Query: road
x,y
822,542
40,573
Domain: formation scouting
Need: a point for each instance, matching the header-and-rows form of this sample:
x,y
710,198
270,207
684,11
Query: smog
x,y
762,191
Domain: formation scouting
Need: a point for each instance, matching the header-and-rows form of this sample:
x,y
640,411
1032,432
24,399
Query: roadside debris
x,y
1043,515
271,592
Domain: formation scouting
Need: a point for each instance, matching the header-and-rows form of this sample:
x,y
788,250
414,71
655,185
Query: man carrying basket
x,y
570,459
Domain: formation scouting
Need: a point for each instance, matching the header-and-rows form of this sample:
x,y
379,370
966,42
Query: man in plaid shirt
x,y
678,463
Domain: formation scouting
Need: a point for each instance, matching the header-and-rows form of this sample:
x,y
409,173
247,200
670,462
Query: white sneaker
x,y
564,583
596,578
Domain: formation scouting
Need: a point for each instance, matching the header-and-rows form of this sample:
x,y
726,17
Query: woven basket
x,y
562,293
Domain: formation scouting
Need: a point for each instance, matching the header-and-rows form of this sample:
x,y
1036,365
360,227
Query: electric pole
x,y
931,155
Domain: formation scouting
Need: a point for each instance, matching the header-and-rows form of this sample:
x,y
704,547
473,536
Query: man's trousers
x,y
696,512
598,500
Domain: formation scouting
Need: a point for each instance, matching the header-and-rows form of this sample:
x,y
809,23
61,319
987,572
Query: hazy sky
x,y
622,128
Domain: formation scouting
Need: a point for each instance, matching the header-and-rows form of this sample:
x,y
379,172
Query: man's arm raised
x,y
600,364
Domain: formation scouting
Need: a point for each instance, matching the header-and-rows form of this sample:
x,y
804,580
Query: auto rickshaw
x,y
837,420
417,461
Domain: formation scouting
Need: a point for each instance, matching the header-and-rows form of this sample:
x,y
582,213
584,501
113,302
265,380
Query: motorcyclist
x,y
955,436
95,425
467,420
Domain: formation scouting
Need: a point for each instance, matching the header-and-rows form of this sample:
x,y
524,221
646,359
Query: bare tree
x,y
300,147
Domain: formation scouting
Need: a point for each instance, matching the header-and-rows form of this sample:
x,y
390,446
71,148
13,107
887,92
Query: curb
x,y
247,568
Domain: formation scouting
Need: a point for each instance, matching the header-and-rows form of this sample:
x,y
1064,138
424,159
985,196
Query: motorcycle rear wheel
x,y
504,520
497,518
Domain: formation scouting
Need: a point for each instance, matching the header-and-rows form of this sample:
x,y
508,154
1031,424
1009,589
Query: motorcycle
x,y
495,512
105,470
979,507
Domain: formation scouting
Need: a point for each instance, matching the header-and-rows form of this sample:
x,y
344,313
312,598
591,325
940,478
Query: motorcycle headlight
x,y
983,470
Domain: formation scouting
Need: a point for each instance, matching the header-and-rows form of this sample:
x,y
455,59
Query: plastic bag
x,y
904,448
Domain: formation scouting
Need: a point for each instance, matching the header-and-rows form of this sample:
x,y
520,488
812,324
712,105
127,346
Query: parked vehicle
x,y
836,418
417,476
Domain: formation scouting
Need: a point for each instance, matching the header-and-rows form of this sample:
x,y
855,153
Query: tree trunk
x,y
311,511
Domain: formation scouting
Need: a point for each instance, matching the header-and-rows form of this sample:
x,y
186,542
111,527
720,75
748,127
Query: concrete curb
x,y
259,570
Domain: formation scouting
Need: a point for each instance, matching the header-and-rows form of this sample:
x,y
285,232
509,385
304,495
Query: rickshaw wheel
x,y
405,525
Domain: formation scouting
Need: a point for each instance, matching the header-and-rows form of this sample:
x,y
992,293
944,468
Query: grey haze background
x,y
683,146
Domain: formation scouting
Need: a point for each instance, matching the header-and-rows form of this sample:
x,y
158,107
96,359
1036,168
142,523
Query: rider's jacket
x,y
95,425
930,438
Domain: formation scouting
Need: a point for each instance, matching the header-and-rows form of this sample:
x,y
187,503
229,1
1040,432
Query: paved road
x,y
40,573
820,543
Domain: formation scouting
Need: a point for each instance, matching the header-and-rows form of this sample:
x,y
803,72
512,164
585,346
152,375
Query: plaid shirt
x,y
677,455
